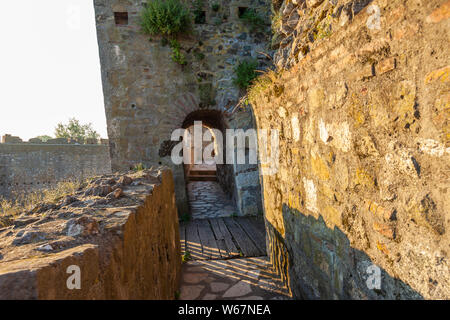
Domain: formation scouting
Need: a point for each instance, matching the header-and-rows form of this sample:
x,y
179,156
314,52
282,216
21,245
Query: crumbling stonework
x,y
121,231
148,96
31,166
364,154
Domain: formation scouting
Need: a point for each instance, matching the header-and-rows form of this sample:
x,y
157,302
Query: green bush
x,y
215,7
253,19
139,167
245,73
165,17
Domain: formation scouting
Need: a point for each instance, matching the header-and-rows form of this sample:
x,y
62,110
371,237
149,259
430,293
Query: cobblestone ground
x,y
208,200
234,279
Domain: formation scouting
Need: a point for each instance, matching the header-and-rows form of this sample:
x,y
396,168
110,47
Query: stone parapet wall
x,y
364,157
9,139
119,236
26,167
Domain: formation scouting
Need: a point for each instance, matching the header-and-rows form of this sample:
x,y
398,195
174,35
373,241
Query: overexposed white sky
x,y
49,67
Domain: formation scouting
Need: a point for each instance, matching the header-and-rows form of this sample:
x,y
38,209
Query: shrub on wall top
x,y
165,17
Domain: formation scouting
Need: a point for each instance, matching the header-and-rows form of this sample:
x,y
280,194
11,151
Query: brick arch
x,y
187,106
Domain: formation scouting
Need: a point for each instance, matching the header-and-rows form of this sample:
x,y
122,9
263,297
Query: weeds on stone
x,y
25,202
177,56
266,83
253,19
186,257
245,73
139,167
277,18
323,30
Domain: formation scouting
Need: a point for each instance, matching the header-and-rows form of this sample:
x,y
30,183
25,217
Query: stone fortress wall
x,y
361,103
362,107
28,166
148,96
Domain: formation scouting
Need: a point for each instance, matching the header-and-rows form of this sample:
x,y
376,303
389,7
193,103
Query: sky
x,y
49,67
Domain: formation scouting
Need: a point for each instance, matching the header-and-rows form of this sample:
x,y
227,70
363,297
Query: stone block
x,y
385,65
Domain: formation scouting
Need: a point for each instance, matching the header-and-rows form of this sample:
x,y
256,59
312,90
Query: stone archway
x,y
211,187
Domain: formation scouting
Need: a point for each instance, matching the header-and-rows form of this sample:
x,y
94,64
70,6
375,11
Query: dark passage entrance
x,y
210,186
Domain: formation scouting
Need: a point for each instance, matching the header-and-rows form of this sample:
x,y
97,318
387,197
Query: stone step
x,y
202,178
202,172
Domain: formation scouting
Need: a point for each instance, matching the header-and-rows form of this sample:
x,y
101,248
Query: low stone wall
x,y
364,152
120,232
27,167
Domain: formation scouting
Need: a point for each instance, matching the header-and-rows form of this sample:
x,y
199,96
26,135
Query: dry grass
x,y
266,84
24,202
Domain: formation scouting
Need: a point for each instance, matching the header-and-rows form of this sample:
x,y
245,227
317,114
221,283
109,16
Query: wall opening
x,y
241,11
200,17
121,18
210,186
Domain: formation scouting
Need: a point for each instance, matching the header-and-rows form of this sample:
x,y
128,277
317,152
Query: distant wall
x,y
25,167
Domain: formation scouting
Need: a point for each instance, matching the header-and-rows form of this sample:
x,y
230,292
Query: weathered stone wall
x,y
148,96
364,156
125,242
25,166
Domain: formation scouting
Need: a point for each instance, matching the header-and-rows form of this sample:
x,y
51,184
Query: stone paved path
x,y
208,200
233,279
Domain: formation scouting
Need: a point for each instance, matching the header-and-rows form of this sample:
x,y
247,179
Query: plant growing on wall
x,y
168,18
165,17
252,18
177,56
245,73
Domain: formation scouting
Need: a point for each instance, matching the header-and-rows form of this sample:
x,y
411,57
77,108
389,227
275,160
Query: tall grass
x,y
25,202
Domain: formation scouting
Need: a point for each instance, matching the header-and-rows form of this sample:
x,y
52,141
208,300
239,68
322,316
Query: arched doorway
x,y
210,186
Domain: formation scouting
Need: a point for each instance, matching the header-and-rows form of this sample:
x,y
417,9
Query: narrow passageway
x,y
224,255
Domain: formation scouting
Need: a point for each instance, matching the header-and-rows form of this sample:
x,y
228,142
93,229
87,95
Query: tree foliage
x,y
76,131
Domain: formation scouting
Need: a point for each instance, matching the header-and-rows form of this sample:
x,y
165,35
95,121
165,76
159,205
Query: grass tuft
x,y
245,73
25,202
